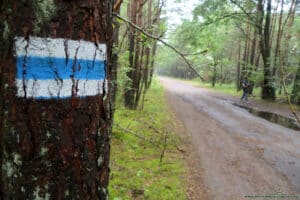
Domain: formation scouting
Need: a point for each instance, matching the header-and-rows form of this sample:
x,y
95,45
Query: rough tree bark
x,y
54,148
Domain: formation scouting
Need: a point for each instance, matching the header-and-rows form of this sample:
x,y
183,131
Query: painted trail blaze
x,y
59,68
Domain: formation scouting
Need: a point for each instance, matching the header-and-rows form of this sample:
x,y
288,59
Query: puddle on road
x,y
272,117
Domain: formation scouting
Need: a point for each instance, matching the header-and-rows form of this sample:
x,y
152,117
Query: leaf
x,y
139,173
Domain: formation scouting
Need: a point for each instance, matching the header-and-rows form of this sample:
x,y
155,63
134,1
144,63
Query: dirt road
x,y
240,155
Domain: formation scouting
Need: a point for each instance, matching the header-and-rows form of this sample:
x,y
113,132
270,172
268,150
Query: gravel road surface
x,y
240,155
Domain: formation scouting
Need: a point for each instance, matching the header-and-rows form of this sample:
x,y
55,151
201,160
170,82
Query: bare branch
x,y
164,147
198,53
288,96
162,41
249,15
137,135
248,36
234,15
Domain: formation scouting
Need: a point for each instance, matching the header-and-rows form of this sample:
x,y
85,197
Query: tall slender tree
x,y
295,97
140,53
129,93
264,28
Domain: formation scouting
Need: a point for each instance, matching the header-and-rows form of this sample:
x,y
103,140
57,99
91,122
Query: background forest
x,y
225,41
257,39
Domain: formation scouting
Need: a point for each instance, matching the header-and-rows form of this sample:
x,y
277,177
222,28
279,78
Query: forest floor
x,y
234,154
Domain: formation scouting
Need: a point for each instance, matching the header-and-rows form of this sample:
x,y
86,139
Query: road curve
x,y
241,155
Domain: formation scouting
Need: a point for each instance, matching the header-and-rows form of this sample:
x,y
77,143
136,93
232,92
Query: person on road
x,y
245,86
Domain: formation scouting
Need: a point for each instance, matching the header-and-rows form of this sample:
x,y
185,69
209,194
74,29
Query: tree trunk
x,y
214,78
254,51
147,55
115,54
129,93
55,131
284,53
244,71
295,97
138,62
238,69
278,41
153,53
156,21
268,90
137,65
273,22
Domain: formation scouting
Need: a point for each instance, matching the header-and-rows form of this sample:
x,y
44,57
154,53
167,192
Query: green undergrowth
x,y
145,162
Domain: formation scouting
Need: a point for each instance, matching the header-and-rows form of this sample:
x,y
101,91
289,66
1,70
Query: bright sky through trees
x,y
178,10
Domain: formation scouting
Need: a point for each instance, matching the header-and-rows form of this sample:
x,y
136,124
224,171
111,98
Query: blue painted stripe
x,y
33,67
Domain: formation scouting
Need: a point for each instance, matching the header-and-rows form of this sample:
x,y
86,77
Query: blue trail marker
x,y
59,68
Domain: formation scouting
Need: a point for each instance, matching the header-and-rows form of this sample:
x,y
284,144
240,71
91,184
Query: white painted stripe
x,y
47,89
59,48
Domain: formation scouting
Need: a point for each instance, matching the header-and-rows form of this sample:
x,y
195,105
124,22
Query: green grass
x,y
229,88
136,148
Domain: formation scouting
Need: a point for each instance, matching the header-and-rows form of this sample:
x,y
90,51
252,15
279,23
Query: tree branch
x,y
249,15
288,96
162,41
117,5
234,15
197,53
137,135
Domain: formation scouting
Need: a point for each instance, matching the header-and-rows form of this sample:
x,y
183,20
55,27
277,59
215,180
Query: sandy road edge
x,y
194,185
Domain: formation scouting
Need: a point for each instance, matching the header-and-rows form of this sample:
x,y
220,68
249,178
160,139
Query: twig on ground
x,y
181,150
164,147
137,135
